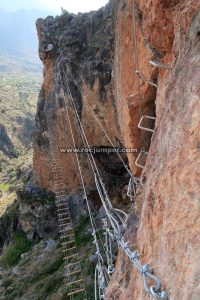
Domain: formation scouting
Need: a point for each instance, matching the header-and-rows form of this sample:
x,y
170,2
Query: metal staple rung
x,y
158,64
144,79
136,162
145,128
76,292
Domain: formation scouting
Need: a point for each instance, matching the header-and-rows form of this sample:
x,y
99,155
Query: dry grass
x,y
5,201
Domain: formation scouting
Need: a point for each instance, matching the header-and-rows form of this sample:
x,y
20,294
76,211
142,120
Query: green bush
x,y
81,236
13,252
46,269
11,216
4,187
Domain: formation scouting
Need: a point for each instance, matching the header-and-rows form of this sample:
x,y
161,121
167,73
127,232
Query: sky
x,y
53,6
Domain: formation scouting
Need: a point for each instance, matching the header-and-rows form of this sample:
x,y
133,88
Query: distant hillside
x,y
18,98
19,43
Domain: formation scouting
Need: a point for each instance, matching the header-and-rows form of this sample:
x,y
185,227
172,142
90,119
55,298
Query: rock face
x,y
164,226
168,203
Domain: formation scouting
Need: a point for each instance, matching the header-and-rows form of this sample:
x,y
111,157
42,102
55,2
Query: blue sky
x,y
53,6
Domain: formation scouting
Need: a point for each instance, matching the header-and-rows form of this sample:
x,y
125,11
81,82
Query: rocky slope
x,y
31,261
18,98
99,49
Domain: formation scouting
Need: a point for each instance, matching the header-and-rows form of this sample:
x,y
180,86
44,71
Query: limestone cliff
x,y
168,201
99,48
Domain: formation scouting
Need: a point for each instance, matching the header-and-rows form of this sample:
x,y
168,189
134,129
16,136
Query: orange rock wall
x,y
167,205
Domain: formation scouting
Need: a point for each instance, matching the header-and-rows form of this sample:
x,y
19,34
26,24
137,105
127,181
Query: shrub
x,y
13,252
82,237
4,187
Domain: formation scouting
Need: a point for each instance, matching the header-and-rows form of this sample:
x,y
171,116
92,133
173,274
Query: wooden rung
x,y
67,243
59,198
63,209
58,184
66,224
62,204
64,219
63,201
70,256
56,168
74,272
61,195
65,230
63,212
64,216
72,248
74,282
76,292
60,191
72,264
66,236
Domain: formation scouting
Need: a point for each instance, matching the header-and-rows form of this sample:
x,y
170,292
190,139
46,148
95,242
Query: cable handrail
x,y
145,270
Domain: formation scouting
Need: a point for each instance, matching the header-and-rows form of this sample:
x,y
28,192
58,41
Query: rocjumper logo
x,y
95,150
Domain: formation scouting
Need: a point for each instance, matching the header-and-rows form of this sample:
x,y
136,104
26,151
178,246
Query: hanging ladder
x,y
73,273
